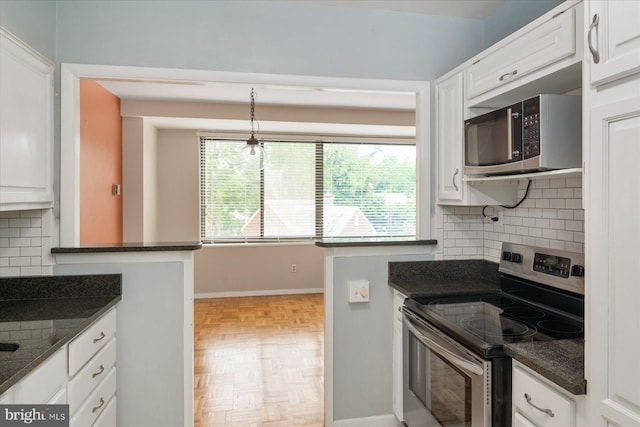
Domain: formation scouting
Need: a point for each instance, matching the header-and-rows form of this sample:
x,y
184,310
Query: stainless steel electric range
x,y
455,371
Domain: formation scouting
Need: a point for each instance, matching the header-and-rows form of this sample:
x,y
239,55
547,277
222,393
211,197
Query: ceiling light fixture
x,y
254,150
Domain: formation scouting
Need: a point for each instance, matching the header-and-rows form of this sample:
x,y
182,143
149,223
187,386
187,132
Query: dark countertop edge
x,y
13,380
577,387
470,287
129,247
349,243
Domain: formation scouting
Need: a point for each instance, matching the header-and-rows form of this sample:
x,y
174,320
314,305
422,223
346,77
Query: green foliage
x,y
380,180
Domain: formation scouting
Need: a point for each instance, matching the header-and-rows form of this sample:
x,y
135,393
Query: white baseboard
x,y
388,420
258,293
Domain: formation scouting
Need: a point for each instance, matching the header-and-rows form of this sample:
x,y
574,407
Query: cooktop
x,y
541,299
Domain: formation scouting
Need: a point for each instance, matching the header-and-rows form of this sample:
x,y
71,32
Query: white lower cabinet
x,y
108,416
43,383
537,402
82,374
92,359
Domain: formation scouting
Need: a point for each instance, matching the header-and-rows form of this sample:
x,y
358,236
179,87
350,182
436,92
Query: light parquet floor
x,y
259,361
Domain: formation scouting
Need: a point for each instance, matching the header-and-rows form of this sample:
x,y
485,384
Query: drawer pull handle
x,y
101,337
99,406
592,48
453,179
546,411
99,372
508,75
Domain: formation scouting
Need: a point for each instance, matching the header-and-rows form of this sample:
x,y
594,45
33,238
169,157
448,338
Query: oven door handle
x,y
468,366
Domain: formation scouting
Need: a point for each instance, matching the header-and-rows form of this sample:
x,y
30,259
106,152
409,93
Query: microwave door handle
x,y
467,366
509,135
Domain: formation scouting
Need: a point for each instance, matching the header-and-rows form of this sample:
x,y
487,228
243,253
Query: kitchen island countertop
x,y
128,247
433,278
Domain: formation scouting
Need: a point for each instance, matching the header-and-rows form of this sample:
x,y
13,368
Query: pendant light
x,y
253,151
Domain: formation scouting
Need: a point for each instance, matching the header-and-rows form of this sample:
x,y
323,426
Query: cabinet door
x,y
613,232
398,300
614,39
542,46
26,132
520,421
450,126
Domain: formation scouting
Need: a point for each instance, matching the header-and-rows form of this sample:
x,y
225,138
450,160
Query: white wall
x,y
177,195
132,179
229,270
149,183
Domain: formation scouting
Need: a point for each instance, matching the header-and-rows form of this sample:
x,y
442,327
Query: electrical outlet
x,y
358,290
294,268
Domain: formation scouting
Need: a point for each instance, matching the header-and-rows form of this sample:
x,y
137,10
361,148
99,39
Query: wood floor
x,y
259,361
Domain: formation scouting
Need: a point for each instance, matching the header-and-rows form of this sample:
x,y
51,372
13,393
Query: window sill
x,y
373,241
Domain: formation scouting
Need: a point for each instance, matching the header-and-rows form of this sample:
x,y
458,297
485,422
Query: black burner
x,y
560,328
487,321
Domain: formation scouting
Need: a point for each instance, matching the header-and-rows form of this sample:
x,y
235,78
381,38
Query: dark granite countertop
x,y
129,247
560,361
346,242
429,278
42,314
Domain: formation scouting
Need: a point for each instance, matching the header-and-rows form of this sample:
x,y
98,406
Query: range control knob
x,y
516,258
577,271
506,256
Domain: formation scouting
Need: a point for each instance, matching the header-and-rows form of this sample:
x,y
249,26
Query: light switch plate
x,y
358,290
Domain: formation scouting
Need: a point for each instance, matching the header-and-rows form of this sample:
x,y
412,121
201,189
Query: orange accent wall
x,y
100,164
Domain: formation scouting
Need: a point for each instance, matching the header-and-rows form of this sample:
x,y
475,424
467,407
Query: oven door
x,y
445,385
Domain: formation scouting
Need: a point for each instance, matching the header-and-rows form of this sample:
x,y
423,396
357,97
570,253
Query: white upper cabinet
x,y
612,204
26,126
614,39
449,128
543,57
549,42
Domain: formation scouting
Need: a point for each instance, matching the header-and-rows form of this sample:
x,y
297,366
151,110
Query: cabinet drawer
x,y
90,341
108,417
91,375
543,397
540,47
43,383
96,403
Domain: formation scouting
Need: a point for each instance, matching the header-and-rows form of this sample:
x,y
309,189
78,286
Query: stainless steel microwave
x,y
540,133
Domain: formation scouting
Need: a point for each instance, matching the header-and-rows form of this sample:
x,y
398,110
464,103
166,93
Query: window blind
x,y
307,189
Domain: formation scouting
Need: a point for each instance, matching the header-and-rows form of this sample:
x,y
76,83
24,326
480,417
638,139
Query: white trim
x,y
258,293
328,340
70,75
121,257
388,420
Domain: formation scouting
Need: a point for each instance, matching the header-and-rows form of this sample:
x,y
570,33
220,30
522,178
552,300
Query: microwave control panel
x,y
531,128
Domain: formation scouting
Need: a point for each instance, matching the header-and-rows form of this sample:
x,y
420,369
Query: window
x,y
307,190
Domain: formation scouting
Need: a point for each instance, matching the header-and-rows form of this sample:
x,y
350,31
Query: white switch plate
x,y
358,290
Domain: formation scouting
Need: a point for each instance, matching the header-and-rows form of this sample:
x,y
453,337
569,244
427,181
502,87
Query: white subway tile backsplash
x,y
25,243
551,217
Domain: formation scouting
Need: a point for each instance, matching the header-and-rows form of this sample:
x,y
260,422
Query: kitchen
x,y
459,230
